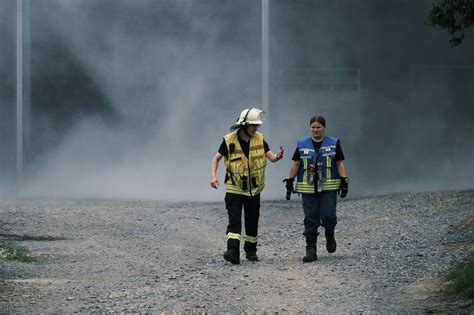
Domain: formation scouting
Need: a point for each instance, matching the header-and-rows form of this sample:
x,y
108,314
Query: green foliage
x,y
454,16
15,253
463,278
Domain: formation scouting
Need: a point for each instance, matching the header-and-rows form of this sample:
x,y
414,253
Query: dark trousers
x,y
319,209
251,205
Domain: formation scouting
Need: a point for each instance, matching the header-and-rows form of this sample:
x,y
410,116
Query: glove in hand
x,y
289,187
344,187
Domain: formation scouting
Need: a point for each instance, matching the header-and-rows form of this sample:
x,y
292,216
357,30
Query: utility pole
x,y
265,56
19,92
22,97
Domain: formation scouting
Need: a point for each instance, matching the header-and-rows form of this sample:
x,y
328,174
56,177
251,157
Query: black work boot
x,y
311,254
330,241
250,251
233,251
251,256
232,255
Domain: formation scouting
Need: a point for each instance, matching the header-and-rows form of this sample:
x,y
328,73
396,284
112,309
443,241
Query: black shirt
x,y
317,146
245,147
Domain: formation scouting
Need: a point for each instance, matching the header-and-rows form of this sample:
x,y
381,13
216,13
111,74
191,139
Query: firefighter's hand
x,y
289,187
344,187
214,182
279,155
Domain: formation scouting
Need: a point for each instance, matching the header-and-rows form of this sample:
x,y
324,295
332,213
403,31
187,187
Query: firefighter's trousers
x,y
319,209
251,205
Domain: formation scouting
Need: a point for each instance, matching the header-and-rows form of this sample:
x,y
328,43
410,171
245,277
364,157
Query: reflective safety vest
x,y
317,166
245,176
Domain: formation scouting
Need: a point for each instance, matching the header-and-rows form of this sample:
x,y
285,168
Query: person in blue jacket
x,y
318,167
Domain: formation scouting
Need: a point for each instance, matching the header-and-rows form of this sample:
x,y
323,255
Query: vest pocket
x,y
254,182
244,183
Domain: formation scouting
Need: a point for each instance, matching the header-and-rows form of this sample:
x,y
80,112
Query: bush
x,y
15,253
463,278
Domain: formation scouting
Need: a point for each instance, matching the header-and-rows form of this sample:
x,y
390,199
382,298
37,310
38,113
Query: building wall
x,y
7,93
415,92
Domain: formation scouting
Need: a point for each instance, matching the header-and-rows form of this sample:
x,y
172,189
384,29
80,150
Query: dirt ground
x,y
148,256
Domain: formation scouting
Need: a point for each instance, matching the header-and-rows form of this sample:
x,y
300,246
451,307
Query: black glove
x,y
289,187
344,187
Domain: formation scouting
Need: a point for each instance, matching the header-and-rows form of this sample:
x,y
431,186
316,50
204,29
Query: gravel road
x,y
149,256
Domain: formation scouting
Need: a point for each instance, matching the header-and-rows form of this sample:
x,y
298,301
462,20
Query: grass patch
x,y
15,253
463,278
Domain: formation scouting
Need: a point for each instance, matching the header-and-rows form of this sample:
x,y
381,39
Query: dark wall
x,y
416,91
63,92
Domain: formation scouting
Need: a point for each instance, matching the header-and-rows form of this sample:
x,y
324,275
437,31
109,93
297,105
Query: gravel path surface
x,y
149,256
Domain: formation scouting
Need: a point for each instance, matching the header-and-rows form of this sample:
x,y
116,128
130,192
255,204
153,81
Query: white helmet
x,y
252,116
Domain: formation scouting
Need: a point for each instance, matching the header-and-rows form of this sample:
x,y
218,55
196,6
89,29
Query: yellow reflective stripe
x,y
304,188
328,168
235,169
305,170
238,193
234,236
237,190
332,181
251,239
331,184
256,147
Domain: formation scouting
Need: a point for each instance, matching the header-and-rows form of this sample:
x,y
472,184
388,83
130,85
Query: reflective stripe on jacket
x,y
327,177
245,176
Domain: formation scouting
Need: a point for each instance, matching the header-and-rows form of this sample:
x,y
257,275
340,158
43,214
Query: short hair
x,y
319,119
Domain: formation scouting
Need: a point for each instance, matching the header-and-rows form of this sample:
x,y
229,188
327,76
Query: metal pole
x,y
26,88
19,91
265,56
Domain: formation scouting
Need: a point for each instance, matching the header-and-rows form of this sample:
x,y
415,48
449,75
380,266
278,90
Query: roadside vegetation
x,y
15,253
463,278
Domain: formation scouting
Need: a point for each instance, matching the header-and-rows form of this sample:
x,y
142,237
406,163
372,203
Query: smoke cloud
x,y
174,75
130,99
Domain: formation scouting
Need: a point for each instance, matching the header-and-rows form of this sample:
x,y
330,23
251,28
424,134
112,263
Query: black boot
x,y
251,251
311,254
232,255
233,251
252,256
330,241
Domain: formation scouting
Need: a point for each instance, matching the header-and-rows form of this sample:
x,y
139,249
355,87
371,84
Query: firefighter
x,y
245,152
318,166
